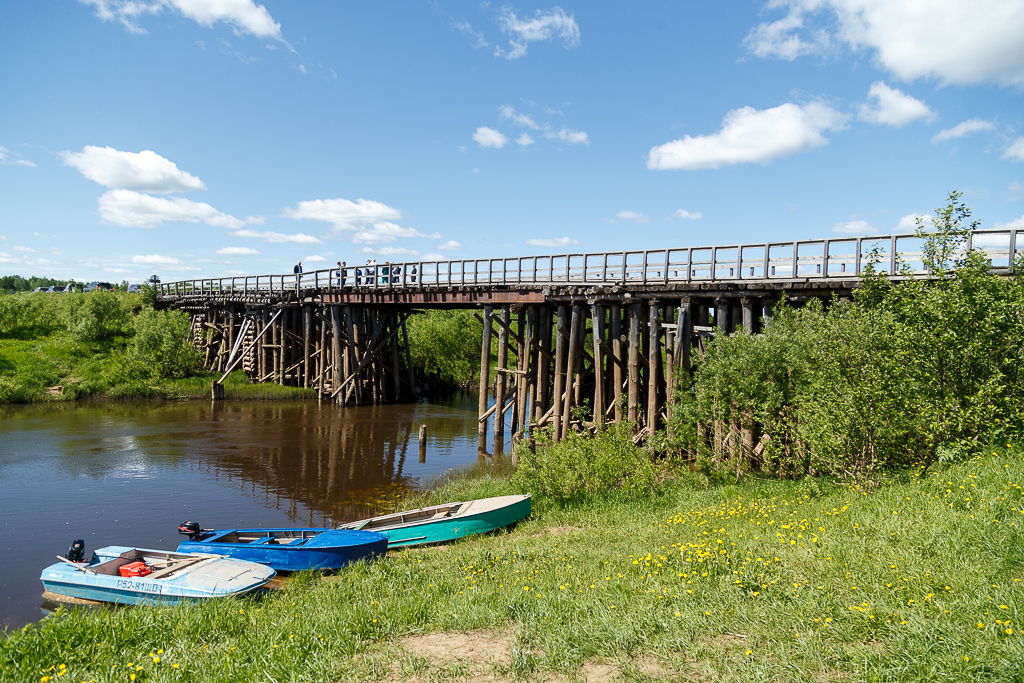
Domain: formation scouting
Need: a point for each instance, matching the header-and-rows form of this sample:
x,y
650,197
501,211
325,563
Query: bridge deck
x,y
834,264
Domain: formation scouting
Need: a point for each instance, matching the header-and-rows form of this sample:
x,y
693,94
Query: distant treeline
x,y
17,283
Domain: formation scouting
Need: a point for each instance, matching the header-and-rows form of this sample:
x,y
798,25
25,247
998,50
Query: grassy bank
x,y
916,579
105,344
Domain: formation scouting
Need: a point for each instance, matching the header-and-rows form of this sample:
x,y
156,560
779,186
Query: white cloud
x,y
524,140
953,41
24,249
237,251
119,271
244,16
488,137
136,210
555,242
573,137
385,231
146,170
476,38
687,216
632,216
1016,223
961,129
276,237
545,25
1015,152
164,262
909,222
391,251
854,228
892,107
343,214
450,245
508,112
315,258
778,38
751,135
6,160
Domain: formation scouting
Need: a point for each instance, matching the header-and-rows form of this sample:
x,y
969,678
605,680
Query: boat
x,y
134,576
290,550
446,522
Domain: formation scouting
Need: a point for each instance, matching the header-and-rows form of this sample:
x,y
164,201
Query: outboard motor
x,y
190,529
76,553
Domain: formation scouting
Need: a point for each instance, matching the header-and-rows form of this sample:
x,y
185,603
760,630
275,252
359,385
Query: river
x,y
129,473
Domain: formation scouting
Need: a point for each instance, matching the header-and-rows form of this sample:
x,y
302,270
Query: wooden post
x,y
307,333
684,335
769,311
264,367
523,367
748,314
395,365
617,374
423,443
633,396
653,363
485,374
338,366
670,352
722,316
560,387
540,400
574,342
597,330
354,353
501,381
413,389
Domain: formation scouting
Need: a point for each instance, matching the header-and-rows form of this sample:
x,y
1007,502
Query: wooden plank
x,y
543,362
307,333
522,369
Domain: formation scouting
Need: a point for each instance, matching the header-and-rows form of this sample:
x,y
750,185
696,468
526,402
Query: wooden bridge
x,y
592,337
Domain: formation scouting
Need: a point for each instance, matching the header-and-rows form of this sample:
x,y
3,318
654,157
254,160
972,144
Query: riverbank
x,y
918,578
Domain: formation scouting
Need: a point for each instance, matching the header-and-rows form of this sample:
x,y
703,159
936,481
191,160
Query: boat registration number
x,y
144,586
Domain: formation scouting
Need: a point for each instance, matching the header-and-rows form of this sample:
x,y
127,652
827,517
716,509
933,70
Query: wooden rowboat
x,y
446,522
290,550
173,577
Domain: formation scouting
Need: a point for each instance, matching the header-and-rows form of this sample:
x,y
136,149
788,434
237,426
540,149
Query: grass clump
x,y
917,579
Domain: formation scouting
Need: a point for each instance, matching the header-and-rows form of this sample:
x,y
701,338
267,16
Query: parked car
x,y
69,287
134,288
100,286
52,289
39,290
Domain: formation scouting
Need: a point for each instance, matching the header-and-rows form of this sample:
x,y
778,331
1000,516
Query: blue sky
x,y
197,138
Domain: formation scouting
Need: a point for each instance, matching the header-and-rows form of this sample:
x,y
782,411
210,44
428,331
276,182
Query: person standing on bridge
x,y
298,268
341,273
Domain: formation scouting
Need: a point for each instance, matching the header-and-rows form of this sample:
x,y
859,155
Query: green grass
x,y
917,579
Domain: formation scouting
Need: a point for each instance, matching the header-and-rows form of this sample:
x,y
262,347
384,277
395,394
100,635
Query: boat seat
x,y
441,513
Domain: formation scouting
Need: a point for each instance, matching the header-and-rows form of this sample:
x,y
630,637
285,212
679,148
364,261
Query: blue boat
x,y
286,550
161,577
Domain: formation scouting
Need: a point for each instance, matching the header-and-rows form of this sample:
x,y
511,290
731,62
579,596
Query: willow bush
x,y
907,372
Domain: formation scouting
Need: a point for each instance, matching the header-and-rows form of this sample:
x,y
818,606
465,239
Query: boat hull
x,y
440,530
326,549
199,578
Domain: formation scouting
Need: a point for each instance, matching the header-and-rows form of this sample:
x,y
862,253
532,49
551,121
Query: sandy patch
x,y
477,648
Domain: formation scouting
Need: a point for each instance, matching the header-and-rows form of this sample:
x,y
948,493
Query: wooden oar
x,y
76,565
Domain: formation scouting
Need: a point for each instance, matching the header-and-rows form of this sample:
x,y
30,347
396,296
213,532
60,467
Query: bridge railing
x,y
843,257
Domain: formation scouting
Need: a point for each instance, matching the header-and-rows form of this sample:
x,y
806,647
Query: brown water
x,y
128,474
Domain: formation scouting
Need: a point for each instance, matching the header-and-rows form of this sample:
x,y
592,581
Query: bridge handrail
x,y
777,260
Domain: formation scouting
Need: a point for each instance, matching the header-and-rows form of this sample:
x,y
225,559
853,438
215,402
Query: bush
x,y
581,466
446,343
100,316
905,372
162,344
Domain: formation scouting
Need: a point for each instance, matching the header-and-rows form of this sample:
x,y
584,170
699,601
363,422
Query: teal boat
x,y
446,522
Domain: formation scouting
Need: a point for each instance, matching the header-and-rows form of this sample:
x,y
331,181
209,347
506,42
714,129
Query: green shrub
x,y
582,466
446,343
161,343
100,316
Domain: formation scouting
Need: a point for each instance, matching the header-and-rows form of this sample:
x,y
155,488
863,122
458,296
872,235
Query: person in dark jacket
x,y
298,268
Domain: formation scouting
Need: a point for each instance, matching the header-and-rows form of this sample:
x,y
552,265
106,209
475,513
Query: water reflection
x,y
128,473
